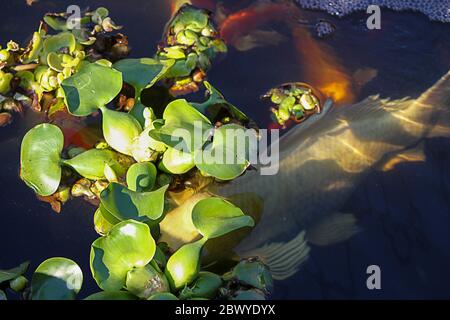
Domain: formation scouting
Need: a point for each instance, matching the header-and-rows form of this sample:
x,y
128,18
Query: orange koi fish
x,y
322,68
76,133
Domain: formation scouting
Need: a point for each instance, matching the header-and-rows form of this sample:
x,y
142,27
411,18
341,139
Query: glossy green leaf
x,y
56,23
60,41
120,130
92,87
91,164
111,295
125,204
145,148
163,296
205,286
141,177
226,157
39,158
56,279
129,244
101,224
215,217
176,162
184,265
6,275
146,281
215,102
143,72
183,123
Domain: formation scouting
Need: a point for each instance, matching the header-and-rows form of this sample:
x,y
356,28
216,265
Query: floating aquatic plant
x,y
293,101
137,164
192,40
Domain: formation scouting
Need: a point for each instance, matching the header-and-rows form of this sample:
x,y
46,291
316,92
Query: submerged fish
x,y
321,68
321,164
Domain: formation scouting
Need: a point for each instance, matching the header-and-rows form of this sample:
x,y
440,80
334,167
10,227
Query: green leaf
x,y
215,102
226,157
182,122
6,275
146,281
60,41
184,265
141,177
3,296
91,164
39,158
129,244
120,130
163,296
124,203
215,217
111,295
92,87
142,73
205,286
56,23
176,162
101,224
56,279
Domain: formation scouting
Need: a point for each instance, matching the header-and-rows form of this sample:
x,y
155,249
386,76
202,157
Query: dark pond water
x,y
405,215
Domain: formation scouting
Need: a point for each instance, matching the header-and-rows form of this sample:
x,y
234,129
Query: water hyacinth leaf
x,y
176,162
92,87
129,244
142,73
56,279
141,177
124,203
111,295
215,217
120,130
57,23
191,18
6,275
163,296
183,124
18,284
215,102
146,281
205,286
108,216
101,225
33,49
54,61
226,157
184,265
254,274
91,164
39,158
145,148
57,42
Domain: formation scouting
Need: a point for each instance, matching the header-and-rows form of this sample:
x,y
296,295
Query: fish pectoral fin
x,y
284,259
337,228
259,38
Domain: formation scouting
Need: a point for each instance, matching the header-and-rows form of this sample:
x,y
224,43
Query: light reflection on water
x,y
405,214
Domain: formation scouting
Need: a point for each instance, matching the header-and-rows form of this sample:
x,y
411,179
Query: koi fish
x,y
76,133
320,166
321,67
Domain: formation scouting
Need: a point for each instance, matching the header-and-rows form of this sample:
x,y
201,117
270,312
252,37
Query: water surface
x,y
405,214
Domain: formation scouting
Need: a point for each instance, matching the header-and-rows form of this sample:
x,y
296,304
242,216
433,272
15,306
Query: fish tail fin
x,y
337,228
283,259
